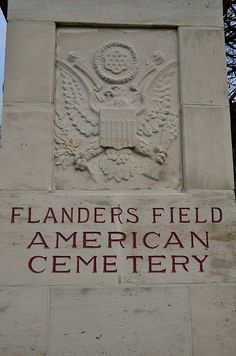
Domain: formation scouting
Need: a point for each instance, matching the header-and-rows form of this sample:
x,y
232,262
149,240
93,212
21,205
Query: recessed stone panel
x,y
118,116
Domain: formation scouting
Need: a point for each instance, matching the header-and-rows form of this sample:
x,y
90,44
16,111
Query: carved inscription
x,y
144,251
115,110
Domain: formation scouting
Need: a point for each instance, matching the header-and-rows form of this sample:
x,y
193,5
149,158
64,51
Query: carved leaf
x,y
117,165
60,152
170,131
60,159
60,129
66,142
113,171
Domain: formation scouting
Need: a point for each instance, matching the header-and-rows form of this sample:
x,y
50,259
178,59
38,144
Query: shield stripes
x,y
117,128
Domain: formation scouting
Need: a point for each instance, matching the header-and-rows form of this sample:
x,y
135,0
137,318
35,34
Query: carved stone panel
x,y
117,121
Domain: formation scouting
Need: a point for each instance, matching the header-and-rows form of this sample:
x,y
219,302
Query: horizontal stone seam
x,y
109,23
121,286
210,106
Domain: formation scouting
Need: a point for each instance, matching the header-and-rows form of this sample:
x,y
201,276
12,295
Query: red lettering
x,y
14,214
183,214
198,221
131,211
181,263
214,217
151,264
86,240
55,264
50,215
200,262
69,216
38,236
72,236
155,213
148,235
81,218
117,213
134,239
92,259
195,236
97,215
30,220
106,264
119,240
172,215
134,259
176,241
30,264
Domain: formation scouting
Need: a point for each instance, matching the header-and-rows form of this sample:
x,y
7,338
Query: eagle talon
x,y
160,155
80,163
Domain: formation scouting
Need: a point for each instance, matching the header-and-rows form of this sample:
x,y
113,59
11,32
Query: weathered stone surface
x,y
117,322
207,149
118,113
203,67
167,252
29,71
26,147
133,12
213,320
24,321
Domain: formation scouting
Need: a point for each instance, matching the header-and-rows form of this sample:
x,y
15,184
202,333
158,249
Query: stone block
x,y
117,322
213,320
97,238
29,70
203,67
24,321
133,12
26,148
207,148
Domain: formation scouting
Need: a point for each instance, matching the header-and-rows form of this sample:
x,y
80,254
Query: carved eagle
x,y
114,109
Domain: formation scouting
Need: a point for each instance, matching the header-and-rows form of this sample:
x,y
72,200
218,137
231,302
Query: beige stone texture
x,y
213,320
117,322
16,238
132,12
26,147
29,71
24,321
207,149
203,66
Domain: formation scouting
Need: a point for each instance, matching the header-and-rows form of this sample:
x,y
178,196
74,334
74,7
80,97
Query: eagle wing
x,y
77,96
156,97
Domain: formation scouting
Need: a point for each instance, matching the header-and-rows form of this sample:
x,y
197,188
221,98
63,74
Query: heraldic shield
x,y
118,128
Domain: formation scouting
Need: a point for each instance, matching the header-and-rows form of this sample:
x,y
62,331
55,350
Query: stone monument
x,y
117,206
